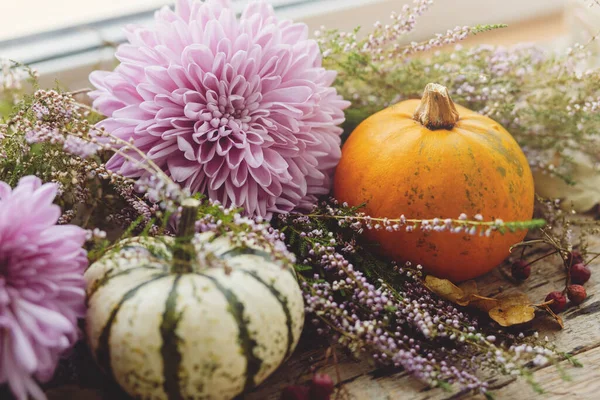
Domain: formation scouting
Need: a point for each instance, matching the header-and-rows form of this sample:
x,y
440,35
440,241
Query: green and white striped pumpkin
x,y
209,333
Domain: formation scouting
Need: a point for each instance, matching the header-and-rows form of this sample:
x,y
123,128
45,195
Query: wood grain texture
x,y
581,336
583,384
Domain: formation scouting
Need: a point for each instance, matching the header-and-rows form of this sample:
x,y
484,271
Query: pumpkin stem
x,y
437,110
185,253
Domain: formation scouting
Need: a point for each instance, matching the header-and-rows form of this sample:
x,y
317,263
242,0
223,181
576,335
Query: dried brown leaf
x,y
512,315
469,288
513,309
445,289
507,310
483,303
515,299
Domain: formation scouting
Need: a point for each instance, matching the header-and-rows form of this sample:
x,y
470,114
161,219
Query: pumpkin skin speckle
x,y
396,165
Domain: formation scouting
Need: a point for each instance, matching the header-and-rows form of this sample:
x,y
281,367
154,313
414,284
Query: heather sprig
x,y
243,231
452,36
358,220
32,142
383,310
51,135
12,75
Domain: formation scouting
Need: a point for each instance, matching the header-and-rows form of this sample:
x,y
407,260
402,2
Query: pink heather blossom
x,y
42,291
240,110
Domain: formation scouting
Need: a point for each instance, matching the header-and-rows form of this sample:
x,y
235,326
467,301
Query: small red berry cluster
x,y
578,273
319,388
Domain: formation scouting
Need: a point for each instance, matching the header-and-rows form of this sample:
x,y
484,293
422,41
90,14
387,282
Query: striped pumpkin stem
x,y
184,254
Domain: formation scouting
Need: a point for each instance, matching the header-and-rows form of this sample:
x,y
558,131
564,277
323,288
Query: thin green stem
x,y
184,254
530,223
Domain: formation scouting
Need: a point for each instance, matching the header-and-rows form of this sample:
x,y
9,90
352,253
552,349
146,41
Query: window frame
x,y
69,54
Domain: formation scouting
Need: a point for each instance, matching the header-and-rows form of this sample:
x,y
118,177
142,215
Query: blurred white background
x,y
65,39
25,17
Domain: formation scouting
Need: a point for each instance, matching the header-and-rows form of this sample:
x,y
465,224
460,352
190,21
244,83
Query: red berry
x,y
580,274
576,294
295,392
574,257
560,302
321,387
520,270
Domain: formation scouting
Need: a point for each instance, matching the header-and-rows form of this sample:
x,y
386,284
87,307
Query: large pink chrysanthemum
x,y
42,291
240,110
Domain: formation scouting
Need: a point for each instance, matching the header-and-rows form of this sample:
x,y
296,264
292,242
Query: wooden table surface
x,y
580,336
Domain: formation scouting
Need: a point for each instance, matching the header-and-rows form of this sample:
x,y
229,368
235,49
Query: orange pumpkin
x,y
432,158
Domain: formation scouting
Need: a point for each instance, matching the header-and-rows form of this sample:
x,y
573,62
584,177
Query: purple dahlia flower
x,y
240,110
42,291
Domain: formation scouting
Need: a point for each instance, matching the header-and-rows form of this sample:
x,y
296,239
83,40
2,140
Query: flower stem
x,y
542,257
437,110
530,224
185,253
593,258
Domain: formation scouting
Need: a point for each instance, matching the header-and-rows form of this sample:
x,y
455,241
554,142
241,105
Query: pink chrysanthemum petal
x,y
240,110
41,285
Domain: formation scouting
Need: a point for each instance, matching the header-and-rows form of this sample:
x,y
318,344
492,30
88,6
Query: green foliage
x,y
523,225
45,159
486,28
6,107
574,361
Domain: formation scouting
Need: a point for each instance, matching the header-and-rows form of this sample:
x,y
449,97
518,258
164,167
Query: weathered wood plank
x,y
584,382
310,356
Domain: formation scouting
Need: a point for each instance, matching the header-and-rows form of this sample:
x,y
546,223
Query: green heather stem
x,y
185,253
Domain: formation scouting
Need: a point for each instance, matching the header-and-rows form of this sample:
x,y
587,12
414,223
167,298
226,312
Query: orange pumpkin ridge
x,y
438,161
